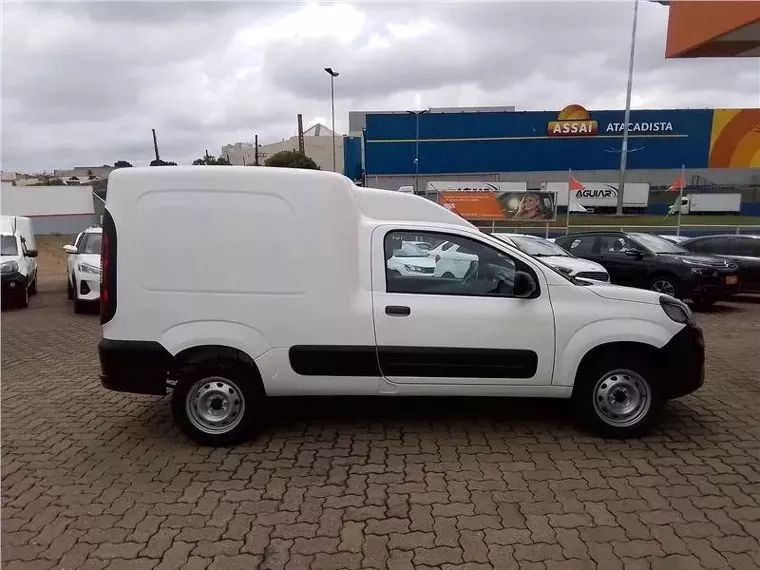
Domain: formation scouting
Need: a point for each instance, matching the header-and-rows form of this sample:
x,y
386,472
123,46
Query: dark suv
x,y
650,262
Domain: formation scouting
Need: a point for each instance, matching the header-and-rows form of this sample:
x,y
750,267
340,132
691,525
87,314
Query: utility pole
x,y
301,145
155,144
627,115
256,150
417,149
333,75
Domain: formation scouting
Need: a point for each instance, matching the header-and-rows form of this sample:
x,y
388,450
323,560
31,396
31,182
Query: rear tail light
x,y
108,269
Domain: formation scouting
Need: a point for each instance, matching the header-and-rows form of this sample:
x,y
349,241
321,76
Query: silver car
x,y
556,257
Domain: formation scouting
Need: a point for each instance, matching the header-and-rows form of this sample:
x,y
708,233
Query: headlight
x,y
84,268
9,267
413,268
565,270
676,310
706,271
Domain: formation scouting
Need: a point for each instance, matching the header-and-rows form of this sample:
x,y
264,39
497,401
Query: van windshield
x,y
8,245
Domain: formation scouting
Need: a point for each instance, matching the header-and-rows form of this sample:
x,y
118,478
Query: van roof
x,y
379,205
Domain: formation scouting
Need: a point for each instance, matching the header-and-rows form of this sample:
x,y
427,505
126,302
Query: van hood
x,y
620,293
416,261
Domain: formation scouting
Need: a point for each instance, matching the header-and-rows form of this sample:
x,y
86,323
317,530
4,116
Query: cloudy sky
x,y
83,83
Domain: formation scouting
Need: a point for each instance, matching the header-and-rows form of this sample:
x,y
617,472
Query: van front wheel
x,y
216,403
618,397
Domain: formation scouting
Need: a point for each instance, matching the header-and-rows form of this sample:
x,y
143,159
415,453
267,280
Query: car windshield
x,y
8,246
538,247
656,244
409,250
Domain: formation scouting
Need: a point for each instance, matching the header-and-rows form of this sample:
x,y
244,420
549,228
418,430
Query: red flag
x,y
574,184
678,184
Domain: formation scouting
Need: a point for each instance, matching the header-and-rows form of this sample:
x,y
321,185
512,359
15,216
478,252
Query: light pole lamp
x,y
333,75
627,115
417,149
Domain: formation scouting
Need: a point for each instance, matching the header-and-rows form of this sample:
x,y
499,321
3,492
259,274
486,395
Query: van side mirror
x,y
635,253
525,286
70,249
31,253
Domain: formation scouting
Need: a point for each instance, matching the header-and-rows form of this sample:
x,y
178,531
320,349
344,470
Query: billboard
x,y
571,138
498,206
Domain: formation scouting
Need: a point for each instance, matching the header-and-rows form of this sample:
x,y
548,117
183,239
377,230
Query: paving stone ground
x,y
93,479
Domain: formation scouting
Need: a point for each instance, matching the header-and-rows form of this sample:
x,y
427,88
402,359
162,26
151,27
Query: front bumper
x,y
87,286
13,283
682,362
140,367
712,287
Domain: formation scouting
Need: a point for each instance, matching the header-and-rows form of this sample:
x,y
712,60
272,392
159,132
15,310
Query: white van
x,y
18,263
306,305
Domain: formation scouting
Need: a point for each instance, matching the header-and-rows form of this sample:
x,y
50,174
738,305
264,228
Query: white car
x,y
83,268
556,257
18,268
411,261
452,260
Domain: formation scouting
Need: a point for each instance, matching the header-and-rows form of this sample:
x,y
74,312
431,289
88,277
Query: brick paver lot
x,y
95,479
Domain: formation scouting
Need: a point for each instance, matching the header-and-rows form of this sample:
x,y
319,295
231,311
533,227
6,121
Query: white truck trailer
x,y
601,197
708,204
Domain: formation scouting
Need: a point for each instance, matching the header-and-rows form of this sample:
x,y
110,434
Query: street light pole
x,y
627,116
417,149
333,75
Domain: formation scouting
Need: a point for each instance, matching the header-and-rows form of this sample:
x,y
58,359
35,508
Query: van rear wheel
x,y
217,403
618,396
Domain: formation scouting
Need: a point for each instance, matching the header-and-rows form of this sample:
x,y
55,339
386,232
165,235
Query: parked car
x,y
411,261
651,262
744,250
83,269
18,270
558,258
323,321
452,260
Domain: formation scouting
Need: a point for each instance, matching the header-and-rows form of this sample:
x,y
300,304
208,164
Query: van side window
x,y
471,268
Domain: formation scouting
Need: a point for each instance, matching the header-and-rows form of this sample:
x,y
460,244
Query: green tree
x,y
159,162
291,159
121,164
209,160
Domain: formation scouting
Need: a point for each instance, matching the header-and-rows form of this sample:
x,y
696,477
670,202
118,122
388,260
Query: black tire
x,y
616,367
33,287
656,284
69,290
247,385
79,306
448,275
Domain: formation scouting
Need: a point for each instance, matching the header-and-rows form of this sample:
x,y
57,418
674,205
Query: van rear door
x,y
467,329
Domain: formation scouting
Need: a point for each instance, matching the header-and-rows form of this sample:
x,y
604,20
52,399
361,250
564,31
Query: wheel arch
x,y
631,349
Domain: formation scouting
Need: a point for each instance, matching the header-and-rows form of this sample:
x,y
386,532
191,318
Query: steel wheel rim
x,y
215,405
622,398
664,286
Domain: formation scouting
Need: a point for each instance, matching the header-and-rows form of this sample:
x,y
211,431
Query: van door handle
x,y
398,311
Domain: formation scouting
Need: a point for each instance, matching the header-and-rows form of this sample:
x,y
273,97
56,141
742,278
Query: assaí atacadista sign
x,y
664,127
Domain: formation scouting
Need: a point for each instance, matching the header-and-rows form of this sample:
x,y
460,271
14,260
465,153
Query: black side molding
x,y
422,362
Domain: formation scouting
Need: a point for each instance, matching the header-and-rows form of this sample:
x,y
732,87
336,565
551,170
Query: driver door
x,y
460,330
623,268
